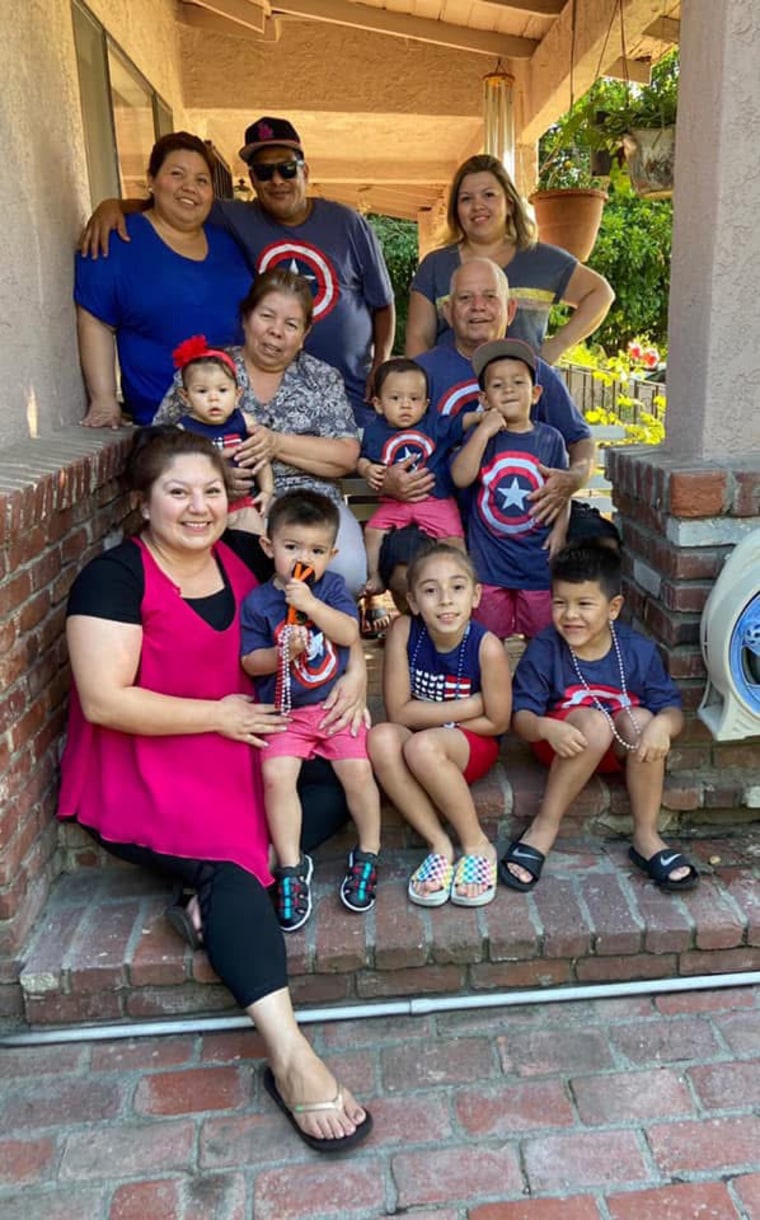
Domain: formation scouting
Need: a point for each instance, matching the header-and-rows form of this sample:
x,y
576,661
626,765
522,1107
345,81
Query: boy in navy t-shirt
x,y
504,461
297,631
593,695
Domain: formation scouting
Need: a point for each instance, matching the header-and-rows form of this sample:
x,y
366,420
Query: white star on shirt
x,y
297,271
409,453
514,495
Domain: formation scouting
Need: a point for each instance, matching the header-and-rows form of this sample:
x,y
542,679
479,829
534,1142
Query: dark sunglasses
x,y
286,169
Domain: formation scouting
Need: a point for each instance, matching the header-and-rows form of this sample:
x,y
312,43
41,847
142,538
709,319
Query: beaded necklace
x,y
283,695
460,663
625,701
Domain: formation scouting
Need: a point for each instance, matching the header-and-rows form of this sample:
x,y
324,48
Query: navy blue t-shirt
x,y
454,388
429,442
545,679
505,541
313,673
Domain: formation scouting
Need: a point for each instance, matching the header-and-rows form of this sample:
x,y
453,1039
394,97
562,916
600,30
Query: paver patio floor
x,y
625,1109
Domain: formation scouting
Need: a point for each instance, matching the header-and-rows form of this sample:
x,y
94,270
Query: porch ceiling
x,y
386,94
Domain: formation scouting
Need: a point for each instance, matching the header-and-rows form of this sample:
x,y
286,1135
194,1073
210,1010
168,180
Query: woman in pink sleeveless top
x,y
161,762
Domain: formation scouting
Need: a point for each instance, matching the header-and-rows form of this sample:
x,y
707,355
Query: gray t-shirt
x,y
337,251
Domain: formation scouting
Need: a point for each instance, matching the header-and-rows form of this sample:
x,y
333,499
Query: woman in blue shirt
x,y
174,277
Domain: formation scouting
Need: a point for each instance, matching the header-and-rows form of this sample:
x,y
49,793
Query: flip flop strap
x,y
312,1107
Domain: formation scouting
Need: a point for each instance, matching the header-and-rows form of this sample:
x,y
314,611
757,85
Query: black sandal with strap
x,y
293,894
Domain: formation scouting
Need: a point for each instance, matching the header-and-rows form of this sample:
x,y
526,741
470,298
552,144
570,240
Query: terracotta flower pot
x,y
569,218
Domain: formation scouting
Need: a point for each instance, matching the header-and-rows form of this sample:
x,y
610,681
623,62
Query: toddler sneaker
x,y
359,886
293,894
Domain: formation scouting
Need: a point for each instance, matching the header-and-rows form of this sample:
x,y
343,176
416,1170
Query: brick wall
x,y
60,499
680,521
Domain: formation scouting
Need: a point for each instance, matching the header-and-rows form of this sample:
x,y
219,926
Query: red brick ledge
x,y
60,500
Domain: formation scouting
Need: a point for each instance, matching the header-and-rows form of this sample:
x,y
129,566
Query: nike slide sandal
x,y
527,857
659,867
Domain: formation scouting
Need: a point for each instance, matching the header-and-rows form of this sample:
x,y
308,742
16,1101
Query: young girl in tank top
x,y
448,698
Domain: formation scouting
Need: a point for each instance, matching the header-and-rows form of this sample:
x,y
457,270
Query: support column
x,y
714,327
430,222
526,168
684,506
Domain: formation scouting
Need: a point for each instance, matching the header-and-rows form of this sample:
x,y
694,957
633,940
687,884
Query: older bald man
x,y
479,309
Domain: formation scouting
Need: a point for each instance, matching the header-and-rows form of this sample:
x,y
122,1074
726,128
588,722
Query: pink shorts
x,y
483,754
305,739
508,612
439,518
610,764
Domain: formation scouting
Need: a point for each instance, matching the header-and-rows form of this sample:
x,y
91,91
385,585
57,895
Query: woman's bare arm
x,y
104,659
97,354
421,325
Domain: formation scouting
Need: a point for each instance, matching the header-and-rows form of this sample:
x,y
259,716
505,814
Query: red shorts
x,y
305,739
439,518
609,764
483,754
508,612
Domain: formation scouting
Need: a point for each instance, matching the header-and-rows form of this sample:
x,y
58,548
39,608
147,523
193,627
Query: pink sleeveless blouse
x,y
196,795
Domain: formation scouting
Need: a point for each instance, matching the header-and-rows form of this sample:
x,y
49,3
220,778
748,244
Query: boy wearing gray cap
x,y
505,459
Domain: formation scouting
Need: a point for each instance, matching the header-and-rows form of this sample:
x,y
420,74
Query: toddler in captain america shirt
x,y
407,431
504,461
592,695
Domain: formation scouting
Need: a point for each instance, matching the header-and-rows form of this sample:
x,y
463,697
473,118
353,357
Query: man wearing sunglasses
x,y
331,245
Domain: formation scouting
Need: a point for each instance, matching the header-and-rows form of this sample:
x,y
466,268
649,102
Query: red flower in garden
x,y
634,350
651,357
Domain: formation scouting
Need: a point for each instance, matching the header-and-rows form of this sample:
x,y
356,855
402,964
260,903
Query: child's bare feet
x,y
374,620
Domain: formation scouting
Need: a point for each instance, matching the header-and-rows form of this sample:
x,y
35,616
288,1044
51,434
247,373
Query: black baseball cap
x,y
268,132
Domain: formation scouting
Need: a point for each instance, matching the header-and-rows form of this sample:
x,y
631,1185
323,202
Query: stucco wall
x,y
714,331
376,74
44,196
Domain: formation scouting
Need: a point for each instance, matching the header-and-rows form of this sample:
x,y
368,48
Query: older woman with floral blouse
x,y
302,419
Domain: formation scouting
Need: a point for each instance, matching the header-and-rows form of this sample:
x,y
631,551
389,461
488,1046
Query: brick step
x,y
103,950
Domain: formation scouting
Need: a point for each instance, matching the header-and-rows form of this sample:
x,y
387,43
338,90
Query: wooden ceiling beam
x,y
665,29
401,25
532,8
637,71
250,14
198,18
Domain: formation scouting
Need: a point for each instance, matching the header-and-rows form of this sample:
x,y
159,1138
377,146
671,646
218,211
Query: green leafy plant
x,y
617,401
398,242
599,120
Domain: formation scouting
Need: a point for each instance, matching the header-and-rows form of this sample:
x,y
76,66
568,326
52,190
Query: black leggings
x,y
240,931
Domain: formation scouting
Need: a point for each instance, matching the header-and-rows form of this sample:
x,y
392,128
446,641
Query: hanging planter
x,y
569,218
650,154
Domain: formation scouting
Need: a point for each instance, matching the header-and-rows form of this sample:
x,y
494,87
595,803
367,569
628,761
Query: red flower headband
x,y
197,348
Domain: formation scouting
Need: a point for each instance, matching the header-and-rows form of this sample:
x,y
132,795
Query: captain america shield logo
x,y
306,260
405,445
460,397
504,489
612,698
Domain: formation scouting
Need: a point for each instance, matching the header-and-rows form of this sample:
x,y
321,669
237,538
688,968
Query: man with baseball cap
x,y
331,245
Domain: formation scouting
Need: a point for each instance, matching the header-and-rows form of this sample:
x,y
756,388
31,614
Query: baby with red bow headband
x,y
211,394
